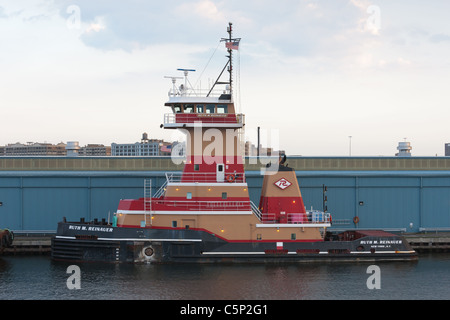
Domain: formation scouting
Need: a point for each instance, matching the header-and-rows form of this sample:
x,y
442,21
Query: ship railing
x,y
161,190
310,217
231,177
202,205
211,118
255,210
190,92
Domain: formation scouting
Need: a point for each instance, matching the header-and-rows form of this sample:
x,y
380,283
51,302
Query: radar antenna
x,y
174,87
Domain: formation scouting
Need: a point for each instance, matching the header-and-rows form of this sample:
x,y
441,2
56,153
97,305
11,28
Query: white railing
x,y
190,92
161,190
172,205
255,210
204,118
310,217
231,177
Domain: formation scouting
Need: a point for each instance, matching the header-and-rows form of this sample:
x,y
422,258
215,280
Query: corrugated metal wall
x,y
400,200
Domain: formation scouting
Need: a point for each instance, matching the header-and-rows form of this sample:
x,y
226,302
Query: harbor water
x,y
38,277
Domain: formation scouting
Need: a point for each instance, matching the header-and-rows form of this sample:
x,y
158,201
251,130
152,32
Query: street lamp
x,y
350,146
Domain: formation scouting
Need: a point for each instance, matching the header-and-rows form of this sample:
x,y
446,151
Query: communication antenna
x,y
186,80
174,80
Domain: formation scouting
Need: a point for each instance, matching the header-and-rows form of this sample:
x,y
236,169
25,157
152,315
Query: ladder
x,y
147,202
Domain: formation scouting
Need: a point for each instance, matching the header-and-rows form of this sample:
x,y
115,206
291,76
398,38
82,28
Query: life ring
x,y
148,251
230,178
355,220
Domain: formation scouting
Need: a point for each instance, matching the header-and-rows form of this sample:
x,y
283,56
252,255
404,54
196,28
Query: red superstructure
x,y
212,190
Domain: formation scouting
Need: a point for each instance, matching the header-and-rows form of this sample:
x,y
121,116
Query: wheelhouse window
x,y
222,108
177,108
189,108
210,108
200,108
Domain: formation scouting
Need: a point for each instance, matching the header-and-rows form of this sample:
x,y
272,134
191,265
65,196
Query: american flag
x,y
233,45
166,148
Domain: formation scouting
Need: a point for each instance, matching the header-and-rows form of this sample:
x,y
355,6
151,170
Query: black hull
x,y
79,242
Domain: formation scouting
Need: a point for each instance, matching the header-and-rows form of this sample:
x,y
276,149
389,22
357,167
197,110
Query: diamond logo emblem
x,y
282,183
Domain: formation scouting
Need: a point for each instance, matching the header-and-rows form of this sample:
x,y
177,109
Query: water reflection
x,y
37,277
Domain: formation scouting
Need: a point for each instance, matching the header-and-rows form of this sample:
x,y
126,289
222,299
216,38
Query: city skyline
x,y
312,73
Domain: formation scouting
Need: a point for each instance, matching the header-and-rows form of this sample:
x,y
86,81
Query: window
x,y
174,224
196,167
200,108
222,108
210,108
293,236
224,195
189,195
189,108
177,108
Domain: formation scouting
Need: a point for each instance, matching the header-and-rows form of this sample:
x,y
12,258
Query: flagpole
x,y
231,44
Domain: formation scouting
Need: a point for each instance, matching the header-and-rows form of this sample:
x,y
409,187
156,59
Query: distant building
x,y
447,149
404,149
60,149
147,147
93,150
252,151
35,149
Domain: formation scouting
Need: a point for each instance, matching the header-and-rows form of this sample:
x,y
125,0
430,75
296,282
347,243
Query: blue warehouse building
x,y
410,194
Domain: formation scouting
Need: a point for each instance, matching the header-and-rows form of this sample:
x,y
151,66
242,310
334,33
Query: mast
x,y
231,44
230,56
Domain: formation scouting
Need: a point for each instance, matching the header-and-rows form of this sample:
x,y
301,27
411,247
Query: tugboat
x,y
204,213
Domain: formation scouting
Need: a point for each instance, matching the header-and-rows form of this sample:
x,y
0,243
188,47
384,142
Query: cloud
x,y
2,13
95,27
437,38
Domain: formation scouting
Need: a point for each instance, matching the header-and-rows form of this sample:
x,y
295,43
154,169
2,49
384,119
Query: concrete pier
x,y
28,244
430,241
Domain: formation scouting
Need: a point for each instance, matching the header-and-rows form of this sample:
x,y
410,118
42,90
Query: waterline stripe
x,y
135,239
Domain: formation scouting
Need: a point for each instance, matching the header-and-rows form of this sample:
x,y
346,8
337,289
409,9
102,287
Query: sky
x,y
319,77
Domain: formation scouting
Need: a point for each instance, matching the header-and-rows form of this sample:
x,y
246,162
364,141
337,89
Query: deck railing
x,y
231,177
310,217
186,205
204,118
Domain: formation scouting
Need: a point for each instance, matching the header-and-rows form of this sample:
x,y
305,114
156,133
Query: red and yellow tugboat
x,y
204,214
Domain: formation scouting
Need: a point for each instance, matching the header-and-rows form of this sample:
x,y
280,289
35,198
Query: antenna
x,y
174,80
186,72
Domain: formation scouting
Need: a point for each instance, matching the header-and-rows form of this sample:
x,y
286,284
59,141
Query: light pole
x,y
350,146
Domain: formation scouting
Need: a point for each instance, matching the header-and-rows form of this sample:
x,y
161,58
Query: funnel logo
x,y
282,183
